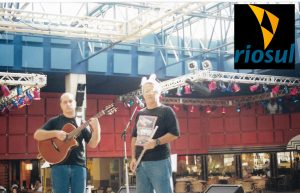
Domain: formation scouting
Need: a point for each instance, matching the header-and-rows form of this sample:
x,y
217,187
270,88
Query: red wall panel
x,y
264,122
279,137
282,121
265,137
196,142
91,107
183,125
216,139
32,144
232,124
248,123
37,107
233,139
121,122
17,124
216,125
17,144
194,125
34,123
3,144
107,124
107,142
182,142
52,106
249,138
3,125
295,124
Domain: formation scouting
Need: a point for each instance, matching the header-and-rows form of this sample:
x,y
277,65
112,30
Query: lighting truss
x,y
202,75
223,102
93,28
25,80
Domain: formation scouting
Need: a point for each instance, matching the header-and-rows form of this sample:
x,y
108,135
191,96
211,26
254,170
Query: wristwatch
x,y
157,142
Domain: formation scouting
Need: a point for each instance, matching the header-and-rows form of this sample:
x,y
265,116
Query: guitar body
x,y
54,150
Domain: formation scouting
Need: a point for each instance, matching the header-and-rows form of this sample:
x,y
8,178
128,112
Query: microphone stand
x,y
125,149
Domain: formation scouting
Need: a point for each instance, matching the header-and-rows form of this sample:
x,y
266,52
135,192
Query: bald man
x,y
72,171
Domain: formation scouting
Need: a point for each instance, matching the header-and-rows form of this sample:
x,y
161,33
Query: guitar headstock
x,y
110,109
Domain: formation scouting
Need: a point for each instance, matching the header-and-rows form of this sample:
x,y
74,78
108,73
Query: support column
x,y
76,84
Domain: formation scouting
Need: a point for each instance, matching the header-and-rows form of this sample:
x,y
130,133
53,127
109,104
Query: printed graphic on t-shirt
x,y
145,126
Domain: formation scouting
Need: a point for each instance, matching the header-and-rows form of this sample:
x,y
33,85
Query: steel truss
x,y
25,80
222,102
229,77
93,28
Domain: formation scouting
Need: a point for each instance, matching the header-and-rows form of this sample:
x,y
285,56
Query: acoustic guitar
x,y
55,151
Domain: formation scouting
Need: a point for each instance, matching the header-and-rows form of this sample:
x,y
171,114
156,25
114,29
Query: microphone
x,y
139,102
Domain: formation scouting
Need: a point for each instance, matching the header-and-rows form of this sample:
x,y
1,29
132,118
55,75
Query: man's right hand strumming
x,y
61,135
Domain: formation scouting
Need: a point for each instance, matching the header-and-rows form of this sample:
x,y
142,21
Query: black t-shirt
x,y
163,117
77,153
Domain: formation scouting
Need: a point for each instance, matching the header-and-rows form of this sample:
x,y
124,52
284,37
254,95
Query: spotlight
x,y
192,66
130,103
19,90
36,94
208,109
212,86
179,91
275,89
294,91
238,109
236,87
192,109
5,90
187,89
223,110
254,87
206,65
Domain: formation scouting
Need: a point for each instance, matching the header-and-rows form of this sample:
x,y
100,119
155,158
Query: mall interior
x,y
237,126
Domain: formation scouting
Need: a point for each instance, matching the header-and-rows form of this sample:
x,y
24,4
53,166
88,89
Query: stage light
x,y
212,86
179,91
36,94
21,102
238,109
236,87
19,90
129,103
223,110
275,89
192,109
222,87
254,87
208,109
294,91
28,94
187,89
228,89
5,90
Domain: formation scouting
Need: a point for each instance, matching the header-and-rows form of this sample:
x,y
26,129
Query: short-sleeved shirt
x,y
162,116
77,154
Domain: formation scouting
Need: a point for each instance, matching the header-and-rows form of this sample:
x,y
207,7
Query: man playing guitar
x,y
71,172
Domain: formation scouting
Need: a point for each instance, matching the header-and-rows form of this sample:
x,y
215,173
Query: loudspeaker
x,y
224,188
122,189
80,94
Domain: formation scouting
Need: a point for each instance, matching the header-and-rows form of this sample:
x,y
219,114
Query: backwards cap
x,y
152,80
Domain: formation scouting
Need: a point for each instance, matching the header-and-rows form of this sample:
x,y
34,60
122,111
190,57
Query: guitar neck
x,y
75,133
